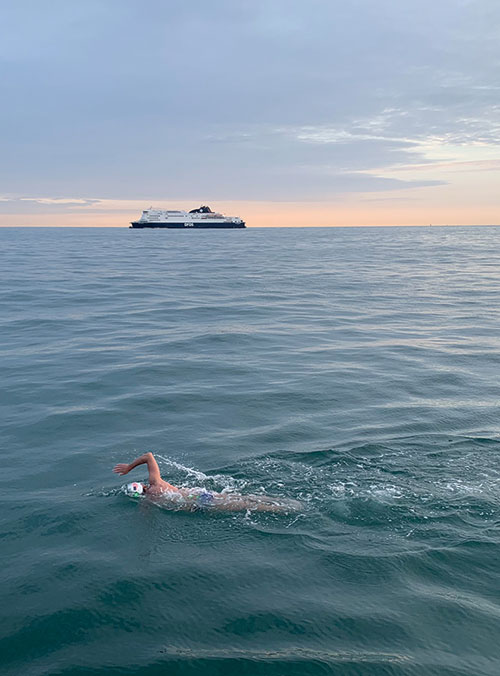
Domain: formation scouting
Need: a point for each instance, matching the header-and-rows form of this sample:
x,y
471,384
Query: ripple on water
x,y
351,369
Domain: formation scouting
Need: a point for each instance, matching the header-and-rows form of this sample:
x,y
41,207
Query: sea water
x,y
355,370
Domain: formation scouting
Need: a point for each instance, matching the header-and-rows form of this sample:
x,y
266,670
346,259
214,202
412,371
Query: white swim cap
x,y
135,489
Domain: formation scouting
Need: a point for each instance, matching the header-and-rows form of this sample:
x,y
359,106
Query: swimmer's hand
x,y
122,468
154,471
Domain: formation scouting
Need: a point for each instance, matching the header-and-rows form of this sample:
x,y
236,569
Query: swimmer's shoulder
x,y
162,486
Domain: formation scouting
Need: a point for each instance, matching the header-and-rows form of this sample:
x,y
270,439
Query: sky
x,y
283,112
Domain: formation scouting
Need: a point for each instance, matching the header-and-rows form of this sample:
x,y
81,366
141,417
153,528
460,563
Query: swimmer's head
x,y
135,489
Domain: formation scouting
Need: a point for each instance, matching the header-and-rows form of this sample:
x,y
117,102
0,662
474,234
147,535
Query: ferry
x,y
200,218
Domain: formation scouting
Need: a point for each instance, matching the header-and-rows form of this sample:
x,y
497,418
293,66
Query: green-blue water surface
x,y
356,370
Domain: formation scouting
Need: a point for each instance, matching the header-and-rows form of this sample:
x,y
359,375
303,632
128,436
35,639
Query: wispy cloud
x,y
60,201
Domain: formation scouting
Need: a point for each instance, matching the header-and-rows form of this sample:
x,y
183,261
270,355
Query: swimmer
x,y
199,498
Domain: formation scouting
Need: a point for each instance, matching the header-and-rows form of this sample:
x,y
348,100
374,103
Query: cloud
x,y
29,205
59,201
259,100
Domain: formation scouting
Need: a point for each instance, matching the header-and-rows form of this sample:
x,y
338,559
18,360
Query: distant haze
x,y
283,112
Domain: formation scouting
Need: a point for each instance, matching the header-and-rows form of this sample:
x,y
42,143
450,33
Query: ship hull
x,y
187,226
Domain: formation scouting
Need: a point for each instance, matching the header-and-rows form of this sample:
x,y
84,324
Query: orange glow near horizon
x,y
461,189
272,214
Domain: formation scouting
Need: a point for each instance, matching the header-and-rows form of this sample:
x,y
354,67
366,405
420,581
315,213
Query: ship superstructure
x,y
200,218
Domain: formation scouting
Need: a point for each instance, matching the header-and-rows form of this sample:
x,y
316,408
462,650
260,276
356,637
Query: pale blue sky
x,y
262,100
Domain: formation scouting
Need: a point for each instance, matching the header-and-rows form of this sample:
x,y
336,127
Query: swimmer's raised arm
x,y
146,459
